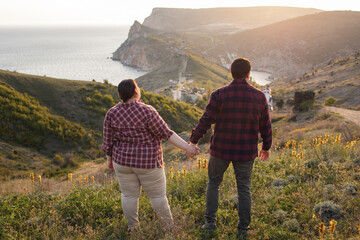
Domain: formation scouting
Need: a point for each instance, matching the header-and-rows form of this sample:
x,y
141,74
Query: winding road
x,y
351,115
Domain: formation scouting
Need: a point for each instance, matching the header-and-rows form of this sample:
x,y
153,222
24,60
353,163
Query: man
x,y
239,112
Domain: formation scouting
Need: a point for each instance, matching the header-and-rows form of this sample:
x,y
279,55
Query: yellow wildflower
x,y
314,142
70,177
293,154
39,178
32,178
199,163
322,228
205,163
332,226
92,179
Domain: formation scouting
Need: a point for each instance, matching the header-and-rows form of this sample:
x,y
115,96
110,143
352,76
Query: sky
x,y
125,12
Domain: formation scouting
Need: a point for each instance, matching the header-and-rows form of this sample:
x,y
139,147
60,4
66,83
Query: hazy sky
x,y
35,12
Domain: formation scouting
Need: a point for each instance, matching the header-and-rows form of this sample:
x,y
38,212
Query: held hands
x,y
192,150
264,155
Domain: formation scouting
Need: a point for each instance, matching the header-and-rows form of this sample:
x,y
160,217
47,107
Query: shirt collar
x,y
240,81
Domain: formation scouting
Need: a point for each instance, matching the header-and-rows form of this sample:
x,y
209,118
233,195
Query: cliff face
x,y
132,53
147,48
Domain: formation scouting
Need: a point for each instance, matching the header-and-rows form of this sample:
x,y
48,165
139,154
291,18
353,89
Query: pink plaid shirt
x,y
132,135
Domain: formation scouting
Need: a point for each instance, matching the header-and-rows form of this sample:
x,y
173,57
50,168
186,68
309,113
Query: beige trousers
x,y
153,182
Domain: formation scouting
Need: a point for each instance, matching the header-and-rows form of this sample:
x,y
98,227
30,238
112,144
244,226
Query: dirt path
x,y
351,115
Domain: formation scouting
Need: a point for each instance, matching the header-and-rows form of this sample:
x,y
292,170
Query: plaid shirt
x,y
132,135
239,112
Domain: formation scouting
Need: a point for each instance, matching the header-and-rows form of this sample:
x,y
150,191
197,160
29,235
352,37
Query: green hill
x,y
52,117
26,122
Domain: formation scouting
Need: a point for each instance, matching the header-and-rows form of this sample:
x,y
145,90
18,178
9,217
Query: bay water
x,y
71,52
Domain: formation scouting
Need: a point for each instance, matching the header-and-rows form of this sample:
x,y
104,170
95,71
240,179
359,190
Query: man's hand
x,y
264,155
192,150
109,163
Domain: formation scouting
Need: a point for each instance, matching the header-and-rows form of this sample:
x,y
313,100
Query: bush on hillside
x,y
304,101
328,210
330,101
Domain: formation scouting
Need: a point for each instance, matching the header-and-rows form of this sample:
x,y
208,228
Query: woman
x,y
132,142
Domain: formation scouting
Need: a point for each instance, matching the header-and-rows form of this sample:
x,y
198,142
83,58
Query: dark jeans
x,y
216,170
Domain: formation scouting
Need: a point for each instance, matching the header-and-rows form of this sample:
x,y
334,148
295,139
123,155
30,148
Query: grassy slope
x,y
339,79
287,192
81,104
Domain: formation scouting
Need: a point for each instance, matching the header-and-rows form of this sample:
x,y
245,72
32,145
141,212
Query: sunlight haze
x,y
96,12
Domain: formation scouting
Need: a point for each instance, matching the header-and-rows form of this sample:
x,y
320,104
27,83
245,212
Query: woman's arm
x,y
191,150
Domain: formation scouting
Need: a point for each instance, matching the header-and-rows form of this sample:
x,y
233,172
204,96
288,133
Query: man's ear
x,y
248,75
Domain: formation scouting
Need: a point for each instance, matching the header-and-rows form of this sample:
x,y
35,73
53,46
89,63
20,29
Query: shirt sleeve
x,y
157,126
265,127
208,118
107,135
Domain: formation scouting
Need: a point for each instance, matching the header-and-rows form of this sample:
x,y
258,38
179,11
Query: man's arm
x,y
208,118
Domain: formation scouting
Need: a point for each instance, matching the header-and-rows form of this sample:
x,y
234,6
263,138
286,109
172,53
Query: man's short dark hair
x,y
240,68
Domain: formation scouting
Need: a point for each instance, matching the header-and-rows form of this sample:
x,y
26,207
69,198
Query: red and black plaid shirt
x,y
239,112
132,135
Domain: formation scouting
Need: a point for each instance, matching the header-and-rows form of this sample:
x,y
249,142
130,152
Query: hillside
x,y
43,117
288,48
220,19
293,47
339,79
190,69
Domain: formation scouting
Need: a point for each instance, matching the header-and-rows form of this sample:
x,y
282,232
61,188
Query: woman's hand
x,y
192,150
109,163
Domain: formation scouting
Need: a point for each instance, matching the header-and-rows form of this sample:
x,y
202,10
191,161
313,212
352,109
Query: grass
x,y
288,192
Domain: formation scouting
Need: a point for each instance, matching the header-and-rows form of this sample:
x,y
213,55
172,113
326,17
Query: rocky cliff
x,y
147,48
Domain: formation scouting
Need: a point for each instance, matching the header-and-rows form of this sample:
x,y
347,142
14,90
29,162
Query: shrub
x,y
329,101
350,188
58,160
280,103
328,210
304,100
292,224
279,182
293,179
280,215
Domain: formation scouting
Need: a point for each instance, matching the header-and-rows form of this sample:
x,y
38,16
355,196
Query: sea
x,y
71,52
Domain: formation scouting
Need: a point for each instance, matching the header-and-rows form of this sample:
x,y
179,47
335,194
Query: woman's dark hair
x,y
240,68
126,89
